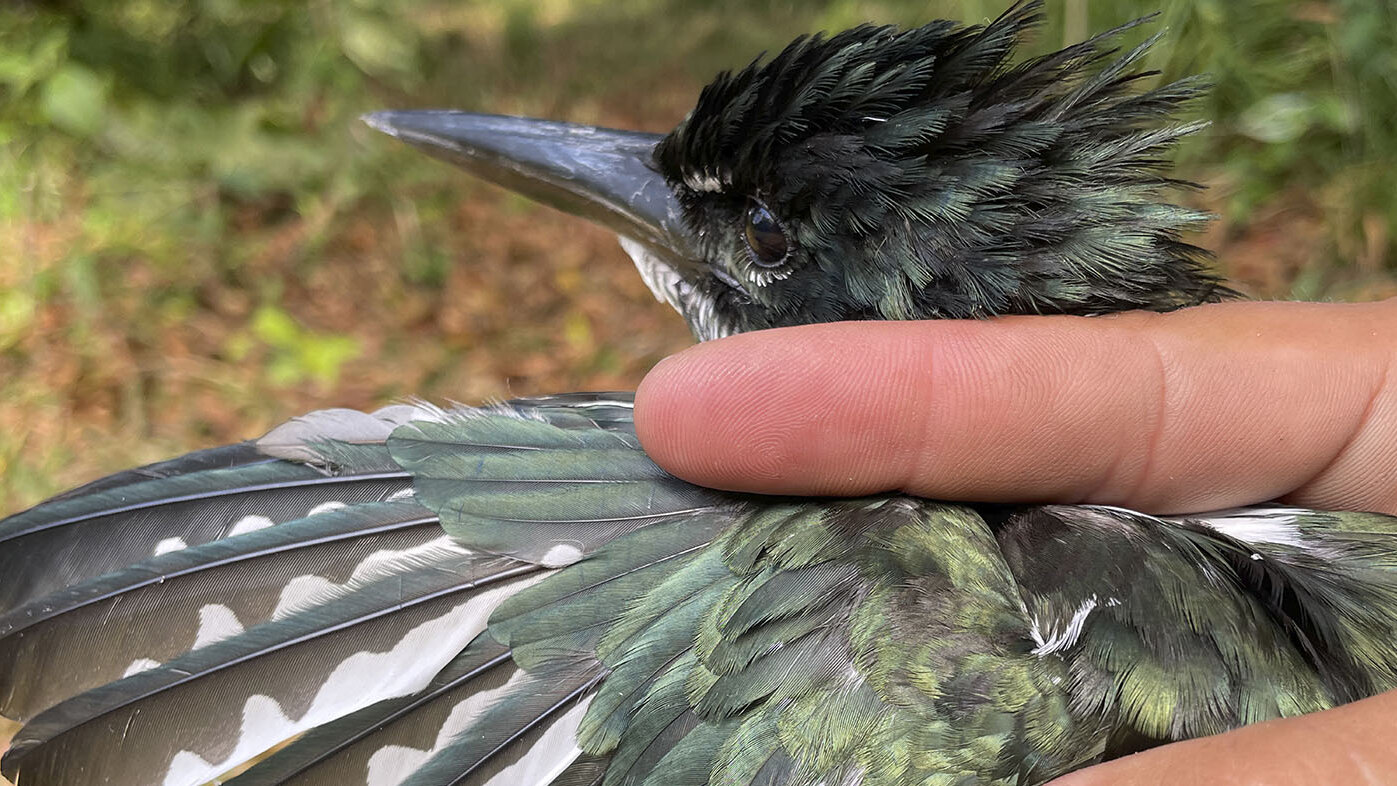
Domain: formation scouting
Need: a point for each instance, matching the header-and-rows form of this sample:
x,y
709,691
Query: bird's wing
x,y
170,623
641,630
200,498
1182,627
587,619
142,561
177,620
696,637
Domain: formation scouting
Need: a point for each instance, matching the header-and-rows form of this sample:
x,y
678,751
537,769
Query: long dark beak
x,y
600,174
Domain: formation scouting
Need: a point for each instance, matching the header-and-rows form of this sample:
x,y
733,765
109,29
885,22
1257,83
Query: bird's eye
x,y
765,237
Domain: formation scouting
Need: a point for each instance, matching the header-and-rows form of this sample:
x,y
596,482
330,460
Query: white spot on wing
x,y
250,523
139,665
216,623
358,681
326,507
390,764
168,545
305,592
260,712
552,754
560,555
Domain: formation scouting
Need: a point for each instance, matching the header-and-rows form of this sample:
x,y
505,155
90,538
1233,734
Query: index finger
x,y
1346,745
1197,409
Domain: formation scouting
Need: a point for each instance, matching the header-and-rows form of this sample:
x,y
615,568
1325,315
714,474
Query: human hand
x,y
1199,409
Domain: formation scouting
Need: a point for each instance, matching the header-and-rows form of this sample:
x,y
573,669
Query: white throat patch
x,y
669,286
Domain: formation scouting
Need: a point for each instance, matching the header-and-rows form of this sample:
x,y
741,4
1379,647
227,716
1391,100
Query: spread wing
x,y
517,595
583,617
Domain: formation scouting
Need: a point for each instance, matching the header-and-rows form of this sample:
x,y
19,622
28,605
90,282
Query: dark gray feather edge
x,y
241,468
221,457
351,522
203,485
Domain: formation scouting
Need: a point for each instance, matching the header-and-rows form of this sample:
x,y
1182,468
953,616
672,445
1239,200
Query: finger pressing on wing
x,y
1197,409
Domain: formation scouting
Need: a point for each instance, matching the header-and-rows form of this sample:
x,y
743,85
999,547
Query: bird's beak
x,y
600,174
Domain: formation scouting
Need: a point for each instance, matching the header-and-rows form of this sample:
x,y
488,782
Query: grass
x,y
199,239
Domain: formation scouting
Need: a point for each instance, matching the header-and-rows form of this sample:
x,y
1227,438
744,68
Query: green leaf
x,y
21,69
1277,119
377,48
75,100
299,354
275,327
17,309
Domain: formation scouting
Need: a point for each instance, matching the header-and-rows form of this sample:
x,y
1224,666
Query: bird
x,y
516,594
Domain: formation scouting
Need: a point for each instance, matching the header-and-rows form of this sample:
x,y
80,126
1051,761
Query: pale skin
x,y
1200,409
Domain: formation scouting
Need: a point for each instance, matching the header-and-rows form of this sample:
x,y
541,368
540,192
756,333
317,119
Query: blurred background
x,y
199,239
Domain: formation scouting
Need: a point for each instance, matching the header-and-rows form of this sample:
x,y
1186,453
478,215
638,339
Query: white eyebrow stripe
x,y
706,182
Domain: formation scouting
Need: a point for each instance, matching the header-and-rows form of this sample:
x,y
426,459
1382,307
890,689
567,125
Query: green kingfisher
x,y
516,594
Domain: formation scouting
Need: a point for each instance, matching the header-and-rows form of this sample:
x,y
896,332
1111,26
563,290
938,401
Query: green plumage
x,y
894,640
921,174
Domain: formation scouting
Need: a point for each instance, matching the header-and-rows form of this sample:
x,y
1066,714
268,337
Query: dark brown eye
x,y
765,237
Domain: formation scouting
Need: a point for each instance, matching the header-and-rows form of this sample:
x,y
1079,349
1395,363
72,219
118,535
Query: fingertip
x,y
816,409
695,406
660,410
656,407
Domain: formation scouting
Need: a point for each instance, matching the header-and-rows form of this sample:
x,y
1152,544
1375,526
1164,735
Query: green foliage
x,y
1303,102
296,354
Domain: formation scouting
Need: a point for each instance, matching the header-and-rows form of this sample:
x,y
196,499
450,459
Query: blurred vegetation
x,y
199,239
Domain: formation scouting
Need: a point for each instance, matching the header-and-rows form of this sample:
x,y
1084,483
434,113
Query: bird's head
x,y
879,174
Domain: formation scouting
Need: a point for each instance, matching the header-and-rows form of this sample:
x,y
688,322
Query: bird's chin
x,y
704,314
699,298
